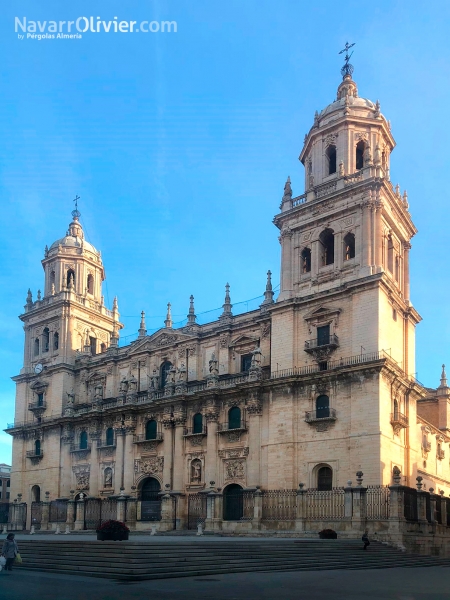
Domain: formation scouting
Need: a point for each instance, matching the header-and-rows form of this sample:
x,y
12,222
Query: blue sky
x,y
179,146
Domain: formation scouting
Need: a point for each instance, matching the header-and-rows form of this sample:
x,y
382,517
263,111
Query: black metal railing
x,y
397,418
141,437
195,430
58,511
241,426
42,404
410,504
77,448
318,415
35,453
327,340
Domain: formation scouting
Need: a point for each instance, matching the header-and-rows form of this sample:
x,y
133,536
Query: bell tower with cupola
x,y
346,240
67,323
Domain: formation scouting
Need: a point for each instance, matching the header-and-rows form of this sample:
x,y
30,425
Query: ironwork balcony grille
x,y
224,427
328,340
106,444
399,419
321,415
141,437
34,454
42,405
76,448
188,431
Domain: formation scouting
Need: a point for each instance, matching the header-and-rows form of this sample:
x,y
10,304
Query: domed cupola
x,y
73,264
347,136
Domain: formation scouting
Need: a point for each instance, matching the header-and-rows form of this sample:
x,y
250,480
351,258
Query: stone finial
x,y
268,294
227,306
359,477
39,292
377,111
46,251
115,304
419,483
286,200
443,378
396,475
316,119
397,191
405,199
29,298
191,316
287,188
142,328
168,321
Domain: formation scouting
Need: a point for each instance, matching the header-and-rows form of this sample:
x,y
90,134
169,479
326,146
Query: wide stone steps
x,y
140,560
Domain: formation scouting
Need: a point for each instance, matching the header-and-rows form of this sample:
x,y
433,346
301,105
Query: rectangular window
x,y
246,362
323,335
8,483
93,344
40,401
7,495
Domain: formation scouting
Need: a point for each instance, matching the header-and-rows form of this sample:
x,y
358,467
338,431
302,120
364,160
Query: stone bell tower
x,y
345,242
69,320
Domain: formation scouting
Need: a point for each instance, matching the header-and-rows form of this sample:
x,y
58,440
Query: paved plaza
x,y
430,583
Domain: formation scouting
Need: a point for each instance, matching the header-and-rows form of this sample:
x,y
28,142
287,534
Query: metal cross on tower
x,y
76,213
347,69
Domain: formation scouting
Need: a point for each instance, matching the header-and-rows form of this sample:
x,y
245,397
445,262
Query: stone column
x,y
178,467
166,523
79,515
254,412
406,249
286,263
119,466
396,507
168,453
257,509
94,469
348,501
71,508
432,506
121,507
128,466
338,250
366,238
45,514
301,516
378,260
131,511
315,249
211,447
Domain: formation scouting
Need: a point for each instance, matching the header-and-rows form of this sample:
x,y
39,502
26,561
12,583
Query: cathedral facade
x,y
310,388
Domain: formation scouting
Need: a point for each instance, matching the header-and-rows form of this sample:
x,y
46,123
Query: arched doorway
x,y
150,500
233,502
36,507
35,493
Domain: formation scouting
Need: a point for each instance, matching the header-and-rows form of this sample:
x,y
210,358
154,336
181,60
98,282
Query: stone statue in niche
x,y
196,471
108,477
213,365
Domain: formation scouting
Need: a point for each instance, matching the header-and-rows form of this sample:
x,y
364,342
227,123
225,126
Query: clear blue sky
x,y
179,146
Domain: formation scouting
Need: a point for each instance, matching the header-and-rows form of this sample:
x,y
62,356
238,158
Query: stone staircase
x,y
139,560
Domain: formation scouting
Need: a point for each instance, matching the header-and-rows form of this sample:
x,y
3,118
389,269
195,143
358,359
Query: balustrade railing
x,y
377,502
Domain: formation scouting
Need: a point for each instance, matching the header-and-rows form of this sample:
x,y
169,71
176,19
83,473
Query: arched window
x,y
234,418
360,147
107,477
90,284
55,340
306,260
70,276
110,436
164,371
93,345
324,479
45,340
83,440
349,246
35,493
327,245
151,430
322,407
197,423
36,347
390,261
331,159
37,448
103,347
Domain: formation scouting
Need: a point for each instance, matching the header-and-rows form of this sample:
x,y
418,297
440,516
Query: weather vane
x,y
76,213
347,69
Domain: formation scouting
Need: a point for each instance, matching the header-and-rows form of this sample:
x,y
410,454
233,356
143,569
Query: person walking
x,y
365,539
10,550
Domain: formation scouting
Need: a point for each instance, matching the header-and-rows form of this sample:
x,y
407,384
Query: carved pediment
x,y
323,314
39,385
245,340
161,339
